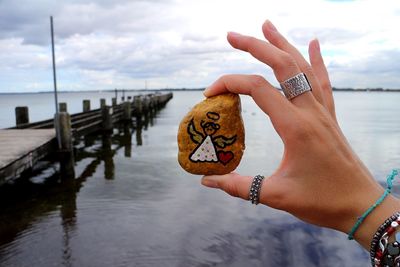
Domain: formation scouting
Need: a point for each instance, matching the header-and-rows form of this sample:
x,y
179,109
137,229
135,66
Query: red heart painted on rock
x,y
224,157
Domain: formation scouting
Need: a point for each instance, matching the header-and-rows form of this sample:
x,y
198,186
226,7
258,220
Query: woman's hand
x,y
320,179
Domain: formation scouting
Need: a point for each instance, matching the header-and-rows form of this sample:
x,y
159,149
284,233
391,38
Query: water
x,y
132,205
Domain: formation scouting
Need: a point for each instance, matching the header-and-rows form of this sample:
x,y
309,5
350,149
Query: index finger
x,y
282,63
267,97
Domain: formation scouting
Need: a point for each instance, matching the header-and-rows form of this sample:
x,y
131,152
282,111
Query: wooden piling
x,y
127,115
145,105
107,122
107,156
21,115
129,98
102,102
114,101
64,129
127,141
86,105
62,107
137,103
139,140
66,156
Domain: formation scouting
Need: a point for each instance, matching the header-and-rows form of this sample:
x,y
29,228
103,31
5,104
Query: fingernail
x,y
271,26
316,41
209,182
206,92
234,34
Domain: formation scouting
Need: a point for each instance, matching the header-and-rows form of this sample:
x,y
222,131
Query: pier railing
x,y
75,125
92,120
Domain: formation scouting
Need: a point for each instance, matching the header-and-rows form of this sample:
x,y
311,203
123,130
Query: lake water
x,y
132,205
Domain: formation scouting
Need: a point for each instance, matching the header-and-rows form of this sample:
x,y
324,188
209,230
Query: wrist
x,y
355,202
370,225
372,217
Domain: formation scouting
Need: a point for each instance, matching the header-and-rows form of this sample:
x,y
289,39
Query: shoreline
x,y
188,90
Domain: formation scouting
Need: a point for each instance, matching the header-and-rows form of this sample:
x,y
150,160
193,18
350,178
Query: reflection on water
x,y
131,204
45,190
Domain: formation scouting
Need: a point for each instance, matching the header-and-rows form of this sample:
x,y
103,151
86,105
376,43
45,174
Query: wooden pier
x,y
21,149
27,143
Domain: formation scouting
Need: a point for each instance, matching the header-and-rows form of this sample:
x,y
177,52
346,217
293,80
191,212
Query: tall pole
x,y
54,64
55,81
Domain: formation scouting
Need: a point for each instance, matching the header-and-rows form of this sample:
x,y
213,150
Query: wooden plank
x,y
21,149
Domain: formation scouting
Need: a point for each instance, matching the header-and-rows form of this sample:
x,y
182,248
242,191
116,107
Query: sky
x,y
155,44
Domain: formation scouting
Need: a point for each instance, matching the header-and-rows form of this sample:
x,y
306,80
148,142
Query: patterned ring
x,y
295,86
255,189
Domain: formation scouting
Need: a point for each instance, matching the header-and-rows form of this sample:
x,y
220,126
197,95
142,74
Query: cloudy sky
x,y
108,44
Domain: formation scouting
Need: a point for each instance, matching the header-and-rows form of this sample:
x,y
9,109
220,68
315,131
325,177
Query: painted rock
x,y
211,136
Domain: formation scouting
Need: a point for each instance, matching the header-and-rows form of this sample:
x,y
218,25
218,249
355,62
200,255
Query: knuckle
x,y
258,80
251,45
286,63
276,199
251,39
287,60
279,41
307,69
223,78
230,188
325,85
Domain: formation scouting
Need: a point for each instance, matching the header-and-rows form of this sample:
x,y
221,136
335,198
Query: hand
x,y
320,179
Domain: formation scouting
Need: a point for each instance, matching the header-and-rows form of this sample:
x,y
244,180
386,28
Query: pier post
x,y
146,108
158,101
62,107
137,103
145,105
86,105
129,98
139,140
127,141
102,102
122,98
114,101
21,115
107,122
152,106
127,111
66,155
107,156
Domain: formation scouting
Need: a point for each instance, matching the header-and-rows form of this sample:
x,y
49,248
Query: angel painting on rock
x,y
206,151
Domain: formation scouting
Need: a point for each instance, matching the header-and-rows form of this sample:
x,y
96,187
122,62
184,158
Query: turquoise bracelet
x,y
360,219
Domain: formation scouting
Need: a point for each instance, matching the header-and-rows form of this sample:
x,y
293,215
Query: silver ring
x,y
254,195
295,86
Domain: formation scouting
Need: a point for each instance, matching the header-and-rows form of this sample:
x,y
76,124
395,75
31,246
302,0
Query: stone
x,y
211,136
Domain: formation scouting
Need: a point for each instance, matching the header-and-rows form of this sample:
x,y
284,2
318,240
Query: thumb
x,y
236,185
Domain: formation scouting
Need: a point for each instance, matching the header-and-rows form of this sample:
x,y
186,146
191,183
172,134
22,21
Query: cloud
x,y
369,71
181,43
333,36
30,20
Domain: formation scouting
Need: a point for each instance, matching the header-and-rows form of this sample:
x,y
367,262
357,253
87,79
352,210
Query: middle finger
x,y
279,41
282,63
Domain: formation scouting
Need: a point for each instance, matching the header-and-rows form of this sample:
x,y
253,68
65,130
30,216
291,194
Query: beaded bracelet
x,y
360,219
381,251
